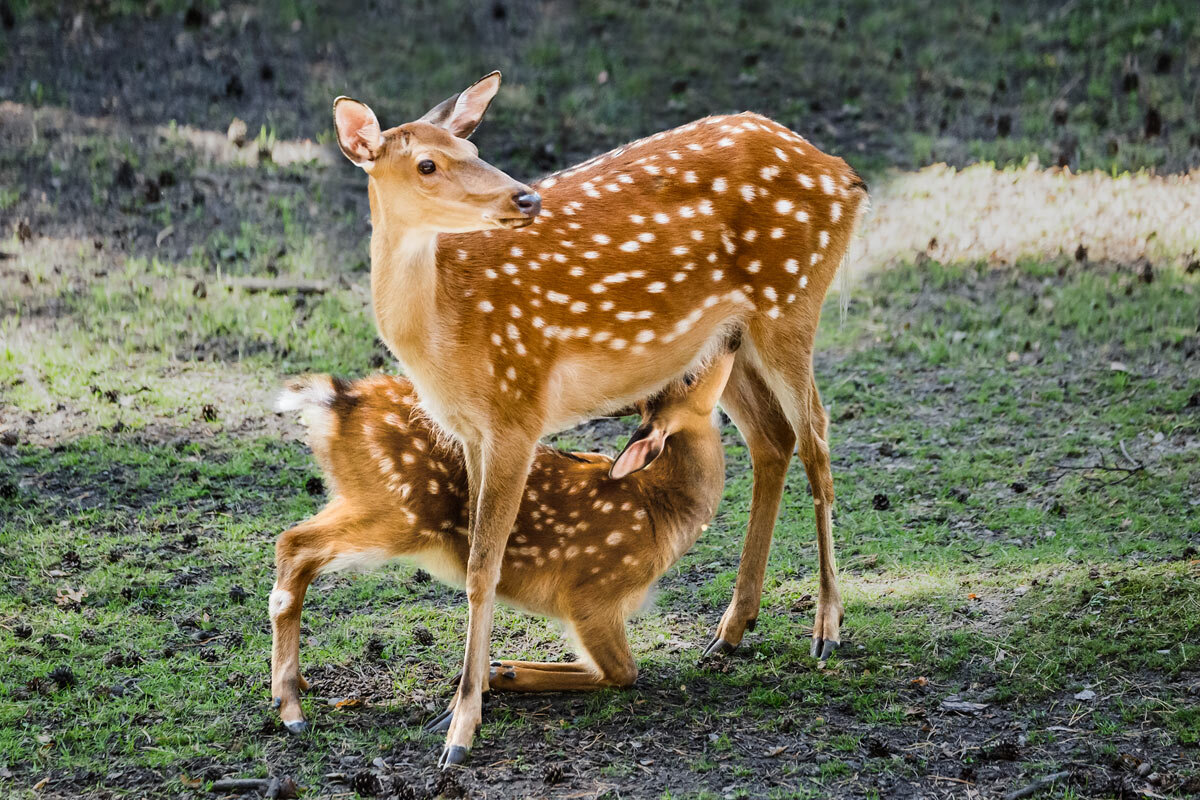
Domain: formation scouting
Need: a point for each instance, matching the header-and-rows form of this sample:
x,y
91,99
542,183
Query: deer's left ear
x,y
644,446
462,113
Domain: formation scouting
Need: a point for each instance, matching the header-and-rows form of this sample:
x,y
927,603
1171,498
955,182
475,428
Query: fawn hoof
x,y
296,726
822,649
718,647
453,756
440,723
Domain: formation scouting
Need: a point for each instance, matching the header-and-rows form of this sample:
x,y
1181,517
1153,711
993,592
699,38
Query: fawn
x,y
593,533
519,310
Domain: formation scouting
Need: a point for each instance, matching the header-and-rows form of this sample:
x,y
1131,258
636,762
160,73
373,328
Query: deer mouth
x,y
512,223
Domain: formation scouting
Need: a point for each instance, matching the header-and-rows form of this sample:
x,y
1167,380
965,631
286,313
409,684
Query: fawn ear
x,y
461,113
644,446
358,131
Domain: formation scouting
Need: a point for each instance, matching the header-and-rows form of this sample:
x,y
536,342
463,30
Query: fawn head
x,y
428,173
684,406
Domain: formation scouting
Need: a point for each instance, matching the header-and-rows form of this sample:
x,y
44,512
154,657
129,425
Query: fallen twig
x,y
240,785
278,286
272,788
1037,786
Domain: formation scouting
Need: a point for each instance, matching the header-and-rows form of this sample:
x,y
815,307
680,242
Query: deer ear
x,y
358,131
461,113
645,445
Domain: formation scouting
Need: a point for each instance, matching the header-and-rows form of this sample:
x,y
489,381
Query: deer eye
x,y
688,379
426,167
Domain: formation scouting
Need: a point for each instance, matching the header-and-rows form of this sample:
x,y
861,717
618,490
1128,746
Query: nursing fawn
x,y
513,323
591,537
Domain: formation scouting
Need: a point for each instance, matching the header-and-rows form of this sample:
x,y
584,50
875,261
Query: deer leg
x,y
610,661
300,554
788,372
814,452
506,463
770,439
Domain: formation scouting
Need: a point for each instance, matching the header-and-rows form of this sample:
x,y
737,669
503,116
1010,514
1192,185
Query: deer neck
x,y
686,483
405,284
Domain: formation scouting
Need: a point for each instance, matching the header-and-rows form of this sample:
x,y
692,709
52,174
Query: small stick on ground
x,y
241,785
1037,786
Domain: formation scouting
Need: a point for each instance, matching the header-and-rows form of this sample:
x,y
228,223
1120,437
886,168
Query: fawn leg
x,y
602,637
300,555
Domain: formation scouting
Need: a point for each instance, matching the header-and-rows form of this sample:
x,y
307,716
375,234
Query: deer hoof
x,y
822,649
718,647
296,726
440,723
453,756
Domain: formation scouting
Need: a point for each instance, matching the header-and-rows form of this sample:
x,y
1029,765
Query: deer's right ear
x,y
358,131
644,446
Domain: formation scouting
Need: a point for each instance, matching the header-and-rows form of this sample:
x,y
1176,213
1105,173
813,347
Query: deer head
x,y
427,173
684,406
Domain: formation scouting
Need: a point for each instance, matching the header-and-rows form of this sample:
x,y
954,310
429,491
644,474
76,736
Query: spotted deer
x,y
591,537
513,323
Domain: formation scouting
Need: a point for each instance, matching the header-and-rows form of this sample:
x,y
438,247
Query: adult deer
x,y
592,535
514,324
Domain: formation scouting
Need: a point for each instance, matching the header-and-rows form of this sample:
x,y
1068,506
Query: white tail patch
x,y
305,392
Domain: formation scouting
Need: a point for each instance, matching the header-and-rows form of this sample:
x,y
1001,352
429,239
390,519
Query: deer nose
x,y
529,203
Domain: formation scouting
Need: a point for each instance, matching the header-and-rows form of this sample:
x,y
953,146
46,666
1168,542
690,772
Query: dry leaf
x,y
920,680
774,752
345,702
67,596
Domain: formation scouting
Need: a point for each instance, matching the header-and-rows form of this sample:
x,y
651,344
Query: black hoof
x,y
440,723
718,647
453,756
299,726
822,649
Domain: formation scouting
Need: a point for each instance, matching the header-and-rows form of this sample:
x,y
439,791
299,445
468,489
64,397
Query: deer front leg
x,y
506,462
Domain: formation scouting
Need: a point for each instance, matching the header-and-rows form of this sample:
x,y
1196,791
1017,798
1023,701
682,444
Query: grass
x,y
1008,564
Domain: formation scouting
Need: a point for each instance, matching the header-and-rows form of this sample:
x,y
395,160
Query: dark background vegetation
x,y
1016,417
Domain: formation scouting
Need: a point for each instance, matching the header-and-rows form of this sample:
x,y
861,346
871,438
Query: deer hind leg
x,y
610,662
814,452
771,439
788,371
301,554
